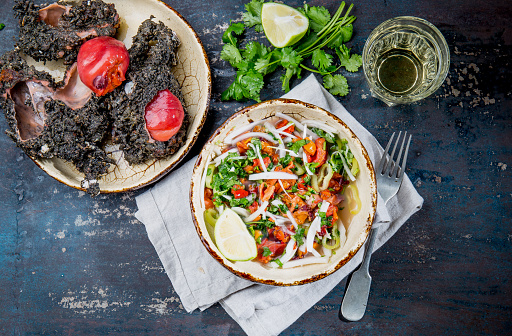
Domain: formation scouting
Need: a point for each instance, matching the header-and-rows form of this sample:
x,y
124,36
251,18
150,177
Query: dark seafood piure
x,y
67,120
50,32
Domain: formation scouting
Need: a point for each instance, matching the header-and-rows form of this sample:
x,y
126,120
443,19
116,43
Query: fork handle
x,y
355,299
365,264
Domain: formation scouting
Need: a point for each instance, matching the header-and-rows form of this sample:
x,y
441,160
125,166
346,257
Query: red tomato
x,y
276,248
164,116
102,63
241,193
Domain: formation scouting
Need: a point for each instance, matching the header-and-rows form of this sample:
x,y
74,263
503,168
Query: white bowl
x,y
358,229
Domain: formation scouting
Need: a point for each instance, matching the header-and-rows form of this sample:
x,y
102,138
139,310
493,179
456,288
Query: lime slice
x,y
233,239
283,24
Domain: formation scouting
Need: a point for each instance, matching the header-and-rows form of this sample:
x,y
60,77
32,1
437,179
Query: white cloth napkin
x,y
200,281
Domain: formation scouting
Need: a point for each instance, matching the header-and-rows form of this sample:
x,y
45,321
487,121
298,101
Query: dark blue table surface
x,y
75,265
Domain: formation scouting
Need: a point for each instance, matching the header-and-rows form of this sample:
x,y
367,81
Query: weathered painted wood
x,y
71,264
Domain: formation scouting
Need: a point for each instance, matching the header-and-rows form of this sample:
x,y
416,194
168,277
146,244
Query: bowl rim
x,y
314,277
195,136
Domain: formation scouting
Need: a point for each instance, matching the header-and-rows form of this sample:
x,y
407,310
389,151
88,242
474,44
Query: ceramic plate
x,y
192,72
359,226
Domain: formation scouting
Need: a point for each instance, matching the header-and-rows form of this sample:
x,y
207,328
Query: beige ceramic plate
x,y
358,229
192,72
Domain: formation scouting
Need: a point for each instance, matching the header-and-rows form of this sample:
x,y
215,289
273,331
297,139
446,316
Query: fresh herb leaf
x,y
321,133
278,262
299,235
336,84
285,161
295,146
321,59
350,62
237,29
318,16
2,26
231,54
252,16
266,251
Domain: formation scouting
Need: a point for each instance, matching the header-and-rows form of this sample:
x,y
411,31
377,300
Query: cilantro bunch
x,y
324,42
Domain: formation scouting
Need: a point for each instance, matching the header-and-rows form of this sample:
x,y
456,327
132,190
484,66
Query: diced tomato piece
x,y
290,129
253,207
310,147
208,203
276,249
321,154
240,193
243,145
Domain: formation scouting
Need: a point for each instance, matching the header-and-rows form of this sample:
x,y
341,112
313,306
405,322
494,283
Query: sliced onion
x,y
314,228
345,165
259,211
288,213
203,182
241,211
257,151
240,130
286,134
289,252
272,175
252,135
306,261
292,153
273,130
297,124
320,125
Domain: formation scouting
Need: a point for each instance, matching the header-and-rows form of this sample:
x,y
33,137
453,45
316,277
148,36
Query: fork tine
x,y
396,168
392,163
404,161
383,160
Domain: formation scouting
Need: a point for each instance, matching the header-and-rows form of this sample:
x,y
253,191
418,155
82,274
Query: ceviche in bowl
x,y
283,193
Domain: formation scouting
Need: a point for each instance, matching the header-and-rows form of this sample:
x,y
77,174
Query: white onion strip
x,y
289,252
257,151
240,130
282,186
320,125
272,175
252,135
288,213
314,228
203,182
345,165
221,157
273,130
292,153
258,212
306,261
241,211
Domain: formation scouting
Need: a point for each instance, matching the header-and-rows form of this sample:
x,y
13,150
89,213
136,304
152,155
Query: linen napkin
x,y
200,281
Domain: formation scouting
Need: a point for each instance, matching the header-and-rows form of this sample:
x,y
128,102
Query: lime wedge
x,y
283,24
233,239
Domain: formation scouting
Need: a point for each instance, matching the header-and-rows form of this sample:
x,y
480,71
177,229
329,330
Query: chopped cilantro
x,y
278,262
298,236
285,161
266,251
2,26
295,146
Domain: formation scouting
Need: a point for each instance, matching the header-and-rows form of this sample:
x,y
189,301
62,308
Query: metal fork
x,y
390,174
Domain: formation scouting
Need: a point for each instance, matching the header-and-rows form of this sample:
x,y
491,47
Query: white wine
x,y
405,59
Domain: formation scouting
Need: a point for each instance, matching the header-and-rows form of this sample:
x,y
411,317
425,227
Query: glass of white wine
x,y
405,59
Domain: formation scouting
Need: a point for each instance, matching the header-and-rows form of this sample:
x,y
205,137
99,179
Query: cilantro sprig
x,y
322,50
